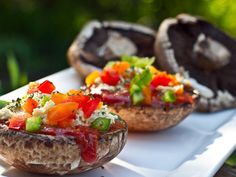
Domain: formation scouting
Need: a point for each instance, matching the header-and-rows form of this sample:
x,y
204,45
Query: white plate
x,y
195,148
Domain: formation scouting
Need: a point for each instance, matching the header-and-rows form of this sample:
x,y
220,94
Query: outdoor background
x,y
35,35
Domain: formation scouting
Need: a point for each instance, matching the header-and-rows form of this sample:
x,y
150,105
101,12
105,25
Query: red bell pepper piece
x,y
46,87
162,80
89,107
110,77
83,101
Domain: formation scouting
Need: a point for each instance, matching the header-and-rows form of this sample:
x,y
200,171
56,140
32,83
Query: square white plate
x,y
197,147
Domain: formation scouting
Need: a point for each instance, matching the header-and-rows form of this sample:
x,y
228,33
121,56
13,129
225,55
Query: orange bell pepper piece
x,y
74,92
62,114
180,90
29,105
147,95
121,67
89,80
58,98
100,104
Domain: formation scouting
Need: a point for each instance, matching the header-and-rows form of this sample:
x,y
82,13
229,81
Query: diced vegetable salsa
x,y
135,78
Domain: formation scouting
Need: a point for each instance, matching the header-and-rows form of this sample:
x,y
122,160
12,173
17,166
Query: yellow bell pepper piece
x,y
154,70
89,80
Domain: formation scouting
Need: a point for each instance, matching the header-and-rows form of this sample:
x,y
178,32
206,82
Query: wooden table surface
x,y
226,171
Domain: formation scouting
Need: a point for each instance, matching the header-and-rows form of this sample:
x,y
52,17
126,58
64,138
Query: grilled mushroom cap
x,y
47,154
203,53
100,42
147,119
155,118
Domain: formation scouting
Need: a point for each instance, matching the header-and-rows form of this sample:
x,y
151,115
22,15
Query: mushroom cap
x,y
148,119
48,154
100,42
204,54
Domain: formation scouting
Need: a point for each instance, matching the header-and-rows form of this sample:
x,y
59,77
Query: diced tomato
x,y
29,105
110,77
33,87
46,87
90,107
17,122
62,113
160,79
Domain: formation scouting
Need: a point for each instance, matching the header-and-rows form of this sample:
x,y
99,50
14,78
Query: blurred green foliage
x,y
231,161
40,32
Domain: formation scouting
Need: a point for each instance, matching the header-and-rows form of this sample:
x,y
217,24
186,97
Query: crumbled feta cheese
x,y
79,120
103,112
98,89
43,111
174,89
5,114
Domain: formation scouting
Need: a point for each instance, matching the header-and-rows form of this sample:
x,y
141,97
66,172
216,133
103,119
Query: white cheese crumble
x,y
103,112
98,89
5,114
42,112
174,89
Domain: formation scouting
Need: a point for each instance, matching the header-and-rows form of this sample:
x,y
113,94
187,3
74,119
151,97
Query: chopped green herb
x,y
3,103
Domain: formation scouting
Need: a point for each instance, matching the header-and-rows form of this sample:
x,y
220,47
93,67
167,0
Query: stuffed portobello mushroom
x,y
146,98
49,132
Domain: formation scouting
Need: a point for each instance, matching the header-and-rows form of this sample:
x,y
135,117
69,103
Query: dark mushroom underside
x,y
205,52
100,42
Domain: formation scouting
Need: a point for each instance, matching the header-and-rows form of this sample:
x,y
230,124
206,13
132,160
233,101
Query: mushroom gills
x,y
209,54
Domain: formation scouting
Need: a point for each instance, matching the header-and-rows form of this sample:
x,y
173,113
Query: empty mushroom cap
x,y
204,54
100,42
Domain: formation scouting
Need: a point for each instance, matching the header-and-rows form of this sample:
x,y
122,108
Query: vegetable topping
x,y
45,111
136,79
